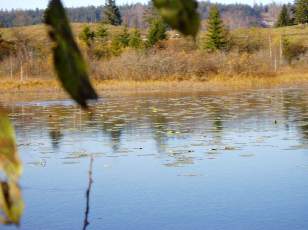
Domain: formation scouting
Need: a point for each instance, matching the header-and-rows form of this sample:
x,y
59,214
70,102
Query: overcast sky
x,y
31,4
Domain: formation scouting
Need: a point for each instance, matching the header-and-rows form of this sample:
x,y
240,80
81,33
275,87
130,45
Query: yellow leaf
x,y
9,159
11,203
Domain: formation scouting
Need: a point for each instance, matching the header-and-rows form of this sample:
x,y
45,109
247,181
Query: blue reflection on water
x,y
236,161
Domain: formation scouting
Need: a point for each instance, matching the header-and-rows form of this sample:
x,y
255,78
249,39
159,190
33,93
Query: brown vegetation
x,y
252,54
174,65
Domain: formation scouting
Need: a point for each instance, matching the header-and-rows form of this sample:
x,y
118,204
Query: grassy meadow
x,y
254,59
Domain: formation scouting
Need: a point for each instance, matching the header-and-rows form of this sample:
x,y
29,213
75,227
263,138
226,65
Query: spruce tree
x,y
301,11
157,32
112,13
102,33
284,17
135,40
87,36
215,39
124,37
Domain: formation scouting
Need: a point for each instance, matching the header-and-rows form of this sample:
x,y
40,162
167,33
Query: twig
x,y
88,192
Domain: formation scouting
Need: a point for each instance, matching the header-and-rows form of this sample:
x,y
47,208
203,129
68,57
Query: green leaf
x,y
180,14
11,202
69,63
9,159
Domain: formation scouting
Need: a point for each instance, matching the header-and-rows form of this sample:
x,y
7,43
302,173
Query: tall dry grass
x,y
169,64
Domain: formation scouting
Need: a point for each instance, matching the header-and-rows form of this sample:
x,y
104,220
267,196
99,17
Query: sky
x,y
31,4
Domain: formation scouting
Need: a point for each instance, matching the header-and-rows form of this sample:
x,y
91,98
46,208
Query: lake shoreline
x,y
32,89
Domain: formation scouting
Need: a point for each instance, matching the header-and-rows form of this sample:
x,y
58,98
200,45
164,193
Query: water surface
x,y
220,161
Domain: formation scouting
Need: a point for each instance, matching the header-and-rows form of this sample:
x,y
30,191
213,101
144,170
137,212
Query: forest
x,y
237,15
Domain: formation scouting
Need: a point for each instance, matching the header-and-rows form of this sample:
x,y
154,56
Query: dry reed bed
x,y
177,65
215,83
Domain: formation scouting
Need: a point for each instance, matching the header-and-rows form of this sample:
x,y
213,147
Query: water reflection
x,y
166,155
113,128
166,120
159,127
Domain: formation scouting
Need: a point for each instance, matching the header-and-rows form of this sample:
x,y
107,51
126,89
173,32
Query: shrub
x,y
123,38
249,43
135,40
103,51
292,51
102,33
6,48
116,46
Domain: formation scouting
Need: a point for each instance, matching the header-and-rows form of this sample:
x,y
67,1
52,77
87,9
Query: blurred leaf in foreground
x,y
68,60
9,159
11,203
180,14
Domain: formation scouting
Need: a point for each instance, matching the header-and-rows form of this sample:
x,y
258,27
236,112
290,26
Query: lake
x,y
172,161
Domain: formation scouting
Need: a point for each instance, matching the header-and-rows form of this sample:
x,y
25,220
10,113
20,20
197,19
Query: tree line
x,y
237,15
293,14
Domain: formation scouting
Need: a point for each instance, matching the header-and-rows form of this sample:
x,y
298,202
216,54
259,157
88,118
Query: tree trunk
x,y
11,68
21,71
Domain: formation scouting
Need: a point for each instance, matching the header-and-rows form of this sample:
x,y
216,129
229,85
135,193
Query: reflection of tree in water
x,y
287,105
296,108
62,118
113,128
55,136
89,117
215,114
302,120
159,125
54,127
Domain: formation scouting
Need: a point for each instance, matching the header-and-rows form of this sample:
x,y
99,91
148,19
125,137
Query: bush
x,y
102,33
6,48
169,64
116,46
123,38
292,51
135,40
103,51
245,64
247,44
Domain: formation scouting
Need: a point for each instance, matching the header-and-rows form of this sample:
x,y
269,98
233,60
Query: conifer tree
x,y
135,40
301,11
87,36
215,39
284,17
157,31
112,13
124,37
102,33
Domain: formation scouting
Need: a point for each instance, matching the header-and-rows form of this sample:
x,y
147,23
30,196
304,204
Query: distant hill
x,y
234,15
